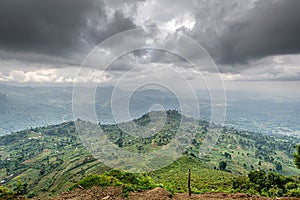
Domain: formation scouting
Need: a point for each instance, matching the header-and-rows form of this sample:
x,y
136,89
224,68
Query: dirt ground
x,y
112,193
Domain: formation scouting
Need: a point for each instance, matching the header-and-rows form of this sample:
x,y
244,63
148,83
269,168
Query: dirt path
x,y
112,193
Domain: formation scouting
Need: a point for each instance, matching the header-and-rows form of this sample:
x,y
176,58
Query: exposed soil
x,y
113,193
98,193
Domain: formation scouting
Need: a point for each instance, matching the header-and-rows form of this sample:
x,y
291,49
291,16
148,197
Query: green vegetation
x,y
18,189
203,178
267,184
174,179
128,181
51,159
297,156
6,193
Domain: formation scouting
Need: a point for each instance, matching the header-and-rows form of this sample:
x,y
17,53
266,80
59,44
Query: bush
x,y
294,192
97,180
266,184
128,181
240,183
291,185
6,193
31,195
275,192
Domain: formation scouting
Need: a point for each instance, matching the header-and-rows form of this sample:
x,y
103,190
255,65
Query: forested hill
x,y
50,159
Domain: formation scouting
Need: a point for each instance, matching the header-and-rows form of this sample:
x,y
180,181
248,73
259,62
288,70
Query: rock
x,y
159,192
105,198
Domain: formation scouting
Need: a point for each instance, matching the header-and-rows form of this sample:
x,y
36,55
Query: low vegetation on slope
x,y
174,179
203,179
128,181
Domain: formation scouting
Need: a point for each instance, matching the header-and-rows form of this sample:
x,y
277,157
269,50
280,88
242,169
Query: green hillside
x,y
49,160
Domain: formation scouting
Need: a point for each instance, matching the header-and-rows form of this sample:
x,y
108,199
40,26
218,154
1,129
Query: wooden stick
x,y
189,182
80,187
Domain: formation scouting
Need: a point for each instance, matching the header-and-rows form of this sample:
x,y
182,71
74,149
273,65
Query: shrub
x,y
294,192
291,185
128,181
266,184
6,193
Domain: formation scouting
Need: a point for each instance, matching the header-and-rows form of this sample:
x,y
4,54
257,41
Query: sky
x,y
251,45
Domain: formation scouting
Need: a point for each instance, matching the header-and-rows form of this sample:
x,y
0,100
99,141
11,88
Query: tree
x,y
278,166
297,156
258,178
119,142
222,165
20,188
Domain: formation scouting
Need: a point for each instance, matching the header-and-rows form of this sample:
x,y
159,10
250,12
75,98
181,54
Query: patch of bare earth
x,y
113,193
98,193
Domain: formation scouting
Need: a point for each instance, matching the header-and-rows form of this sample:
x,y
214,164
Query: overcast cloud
x,y
270,28
46,41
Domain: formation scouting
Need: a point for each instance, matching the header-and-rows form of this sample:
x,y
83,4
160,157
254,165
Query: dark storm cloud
x,y
56,27
119,23
50,26
271,28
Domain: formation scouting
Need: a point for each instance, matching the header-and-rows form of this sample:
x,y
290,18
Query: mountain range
x,y
26,107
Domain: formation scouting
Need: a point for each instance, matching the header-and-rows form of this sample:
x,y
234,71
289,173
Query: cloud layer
x,y
40,41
